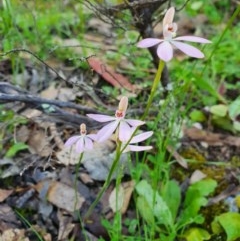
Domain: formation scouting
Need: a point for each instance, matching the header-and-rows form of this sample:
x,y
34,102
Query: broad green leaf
x,y
219,110
159,207
198,189
230,222
236,125
204,85
194,200
172,196
15,148
223,122
197,115
234,109
196,234
196,5
145,210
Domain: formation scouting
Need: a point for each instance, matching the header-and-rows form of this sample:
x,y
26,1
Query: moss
x,y
193,154
235,161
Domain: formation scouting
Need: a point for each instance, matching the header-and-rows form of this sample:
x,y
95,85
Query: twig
x,y
26,98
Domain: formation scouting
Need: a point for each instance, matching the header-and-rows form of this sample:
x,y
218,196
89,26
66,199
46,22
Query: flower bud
x,y
83,130
123,104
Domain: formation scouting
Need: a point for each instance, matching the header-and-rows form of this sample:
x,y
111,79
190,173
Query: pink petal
x,y
80,145
141,137
101,118
193,39
165,51
169,15
71,140
148,42
88,143
138,148
188,49
107,131
92,136
125,131
134,123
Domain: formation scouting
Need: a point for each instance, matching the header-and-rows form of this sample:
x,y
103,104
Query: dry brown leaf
x,y
120,197
65,226
85,178
31,113
107,73
14,235
4,194
180,160
212,139
197,176
61,195
22,134
116,199
66,94
39,143
50,93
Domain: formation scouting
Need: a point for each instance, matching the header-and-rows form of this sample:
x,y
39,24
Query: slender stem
x,y
154,87
75,182
106,183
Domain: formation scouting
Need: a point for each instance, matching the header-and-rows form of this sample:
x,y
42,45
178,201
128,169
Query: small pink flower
x,y
138,138
169,42
83,141
117,122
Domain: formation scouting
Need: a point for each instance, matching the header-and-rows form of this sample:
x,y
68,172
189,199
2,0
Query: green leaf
x,y
234,109
13,150
219,110
194,200
236,125
204,85
145,210
223,122
172,196
197,115
201,188
230,222
159,207
196,234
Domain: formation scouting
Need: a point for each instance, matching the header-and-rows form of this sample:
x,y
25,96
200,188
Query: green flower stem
x,y
75,181
154,88
107,182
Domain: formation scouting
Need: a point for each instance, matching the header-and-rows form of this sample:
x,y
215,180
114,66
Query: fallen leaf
x,y
180,160
14,235
50,93
107,73
61,195
39,143
212,139
8,219
120,197
4,194
197,176
116,198
65,226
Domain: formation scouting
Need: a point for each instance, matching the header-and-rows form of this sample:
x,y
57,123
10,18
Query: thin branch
x,y
26,98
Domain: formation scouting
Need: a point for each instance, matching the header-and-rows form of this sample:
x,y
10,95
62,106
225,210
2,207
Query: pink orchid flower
x,y
169,42
83,141
117,122
138,138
